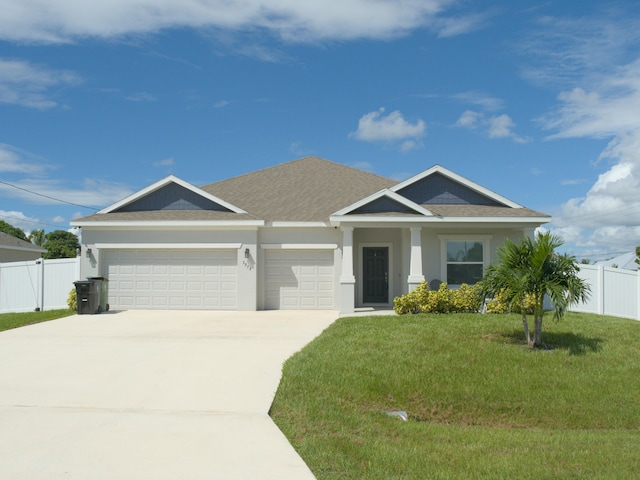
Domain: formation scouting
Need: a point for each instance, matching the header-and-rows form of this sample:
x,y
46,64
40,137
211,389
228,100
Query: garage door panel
x,y
178,279
301,279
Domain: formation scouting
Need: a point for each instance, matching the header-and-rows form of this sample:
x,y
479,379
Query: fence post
x,y
638,306
601,306
40,305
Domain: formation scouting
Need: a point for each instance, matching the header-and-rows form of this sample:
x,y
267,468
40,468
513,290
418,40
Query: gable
x,y
383,205
172,197
437,189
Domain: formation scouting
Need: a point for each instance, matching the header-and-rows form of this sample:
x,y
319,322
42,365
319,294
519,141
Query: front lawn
x,y
15,320
480,403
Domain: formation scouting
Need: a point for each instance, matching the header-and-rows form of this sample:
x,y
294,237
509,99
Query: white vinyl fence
x,y
37,284
614,291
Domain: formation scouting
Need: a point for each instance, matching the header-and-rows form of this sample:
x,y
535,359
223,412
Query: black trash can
x,y
87,296
103,291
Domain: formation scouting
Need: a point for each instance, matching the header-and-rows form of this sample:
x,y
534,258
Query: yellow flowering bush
x,y
443,300
72,300
499,305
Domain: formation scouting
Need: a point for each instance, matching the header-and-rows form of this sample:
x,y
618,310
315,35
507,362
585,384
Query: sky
x,y
536,100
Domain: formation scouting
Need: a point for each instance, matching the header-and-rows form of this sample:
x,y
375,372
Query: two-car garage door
x,y
171,279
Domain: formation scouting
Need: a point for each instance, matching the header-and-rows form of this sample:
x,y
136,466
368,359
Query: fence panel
x,y
19,286
44,284
614,291
59,276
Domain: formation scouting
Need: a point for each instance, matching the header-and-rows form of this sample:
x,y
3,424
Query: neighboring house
x,y
626,261
13,249
308,234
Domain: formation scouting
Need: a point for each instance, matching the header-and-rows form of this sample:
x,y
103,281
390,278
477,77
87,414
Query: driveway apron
x,y
150,395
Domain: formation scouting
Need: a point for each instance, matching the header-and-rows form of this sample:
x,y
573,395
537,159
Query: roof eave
x,y
337,219
171,223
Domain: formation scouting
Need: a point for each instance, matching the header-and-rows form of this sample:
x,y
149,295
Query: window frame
x,y
486,245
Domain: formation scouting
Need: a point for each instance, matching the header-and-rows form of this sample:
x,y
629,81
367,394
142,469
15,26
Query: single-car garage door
x,y
171,279
299,279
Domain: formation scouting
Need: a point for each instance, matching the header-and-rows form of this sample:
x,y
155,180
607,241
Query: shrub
x,y
72,300
499,305
467,299
443,300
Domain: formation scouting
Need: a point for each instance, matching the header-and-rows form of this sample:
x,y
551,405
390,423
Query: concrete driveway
x,y
149,395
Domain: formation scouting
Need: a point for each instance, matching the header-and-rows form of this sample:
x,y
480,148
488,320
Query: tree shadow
x,y
574,343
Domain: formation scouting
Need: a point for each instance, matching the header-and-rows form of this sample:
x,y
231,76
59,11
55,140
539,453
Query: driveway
x,y
149,395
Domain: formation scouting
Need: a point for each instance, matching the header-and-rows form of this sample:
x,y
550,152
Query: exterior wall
x,y
251,270
91,264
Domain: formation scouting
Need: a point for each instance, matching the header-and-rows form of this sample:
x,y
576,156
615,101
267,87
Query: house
x,y
308,234
13,249
626,261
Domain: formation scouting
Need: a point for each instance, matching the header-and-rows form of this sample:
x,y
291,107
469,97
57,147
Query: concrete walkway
x,y
149,395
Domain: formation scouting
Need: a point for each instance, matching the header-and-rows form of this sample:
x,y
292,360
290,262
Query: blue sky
x,y
538,101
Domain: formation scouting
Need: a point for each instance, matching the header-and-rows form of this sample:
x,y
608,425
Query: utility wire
x,y
47,196
33,221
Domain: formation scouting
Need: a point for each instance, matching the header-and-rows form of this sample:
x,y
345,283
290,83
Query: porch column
x,y
347,279
415,269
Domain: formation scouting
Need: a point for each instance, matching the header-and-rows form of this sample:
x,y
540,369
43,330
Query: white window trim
x,y
486,255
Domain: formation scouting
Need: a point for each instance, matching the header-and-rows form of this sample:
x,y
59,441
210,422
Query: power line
x,y
33,221
47,196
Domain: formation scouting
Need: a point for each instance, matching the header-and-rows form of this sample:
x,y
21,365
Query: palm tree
x,y
533,269
37,237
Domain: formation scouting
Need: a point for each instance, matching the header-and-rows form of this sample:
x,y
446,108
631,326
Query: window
x,y
464,259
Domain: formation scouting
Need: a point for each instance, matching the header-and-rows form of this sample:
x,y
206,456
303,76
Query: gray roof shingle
x,y
306,190
309,189
9,241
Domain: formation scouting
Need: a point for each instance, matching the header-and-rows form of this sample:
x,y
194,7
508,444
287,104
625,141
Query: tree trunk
x,y
525,326
537,332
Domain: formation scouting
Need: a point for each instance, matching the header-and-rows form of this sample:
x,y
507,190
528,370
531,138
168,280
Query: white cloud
x,y
141,97
595,62
290,20
375,126
20,220
494,126
483,100
469,119
165,162
609,214
14,160
22,83
92,192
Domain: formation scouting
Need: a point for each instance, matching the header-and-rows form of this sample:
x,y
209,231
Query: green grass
x,y
480,403
15,320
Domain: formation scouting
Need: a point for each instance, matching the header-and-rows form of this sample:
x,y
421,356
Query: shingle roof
x,y
9,241
167,216
305,190
310,189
